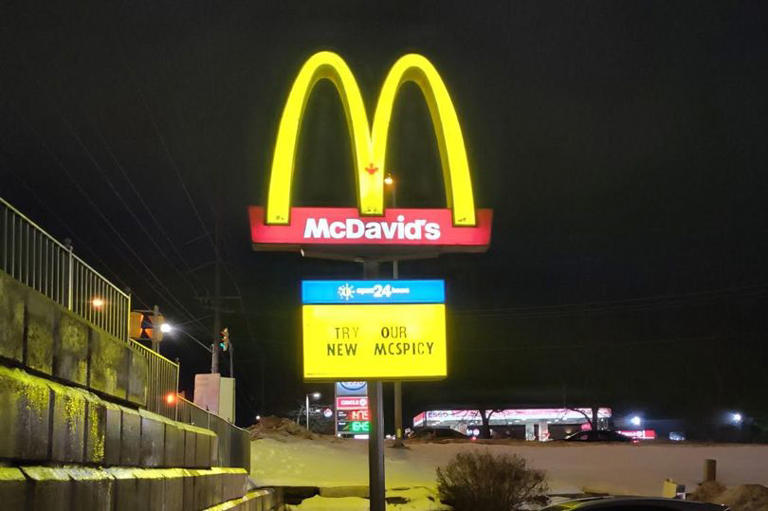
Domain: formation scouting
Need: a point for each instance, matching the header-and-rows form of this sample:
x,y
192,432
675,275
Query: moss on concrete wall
x,y
11,319
95,430
68,423
71,349
108,364
24,420
39,320
46,337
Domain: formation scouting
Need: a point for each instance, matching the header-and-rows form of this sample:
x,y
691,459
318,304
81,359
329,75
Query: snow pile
x,y
276,427
707,492
318,503
744,497
410,499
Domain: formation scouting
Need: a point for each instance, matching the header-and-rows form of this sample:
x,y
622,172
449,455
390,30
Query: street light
x,y
97,302
315,397
636,420
389,180
166,328
736,418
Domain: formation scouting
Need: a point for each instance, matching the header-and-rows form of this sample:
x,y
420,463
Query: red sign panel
x,y
344,226
643,434
351,403
358,415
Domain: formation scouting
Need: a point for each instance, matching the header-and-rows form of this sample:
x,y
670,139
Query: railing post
x,y
176,412
70,270
128,313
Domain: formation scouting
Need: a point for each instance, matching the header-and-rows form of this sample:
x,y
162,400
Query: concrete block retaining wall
x,y
120,489
48,339
71,436
44,421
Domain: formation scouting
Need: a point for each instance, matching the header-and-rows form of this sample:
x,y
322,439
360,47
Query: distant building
x,y
523,423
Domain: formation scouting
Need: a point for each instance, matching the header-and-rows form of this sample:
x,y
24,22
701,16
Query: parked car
x,y
597,436
633,504
437,434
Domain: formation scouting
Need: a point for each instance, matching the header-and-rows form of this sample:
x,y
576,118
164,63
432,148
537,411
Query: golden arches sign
x,y
369,146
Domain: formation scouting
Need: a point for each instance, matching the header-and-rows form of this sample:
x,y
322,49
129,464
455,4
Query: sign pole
x,y
376,487
376,447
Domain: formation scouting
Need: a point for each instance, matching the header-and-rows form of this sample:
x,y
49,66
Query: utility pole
x,y
156,332
215,299
231,360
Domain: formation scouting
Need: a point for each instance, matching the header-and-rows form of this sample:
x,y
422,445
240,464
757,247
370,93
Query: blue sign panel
x,y
372,291
351,388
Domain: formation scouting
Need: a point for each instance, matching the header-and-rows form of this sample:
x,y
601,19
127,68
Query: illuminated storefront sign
x,y
354,427
351,388
352,413
643,434
509,416
386,339
459,227
351,403
371,291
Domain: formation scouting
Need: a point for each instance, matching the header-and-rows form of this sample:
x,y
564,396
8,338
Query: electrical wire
x,y
641,304
571,347
164,145
135,297
117,194
146,207
167,294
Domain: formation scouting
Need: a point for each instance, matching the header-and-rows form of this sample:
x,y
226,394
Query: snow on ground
x,y
419,499
611,468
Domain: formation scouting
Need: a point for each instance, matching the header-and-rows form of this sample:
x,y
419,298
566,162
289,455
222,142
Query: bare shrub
x,y
474,481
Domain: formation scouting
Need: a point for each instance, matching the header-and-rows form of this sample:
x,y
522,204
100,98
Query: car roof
x,y
634,503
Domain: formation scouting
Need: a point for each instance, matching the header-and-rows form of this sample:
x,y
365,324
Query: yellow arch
x,y
453,155
369,149
322,65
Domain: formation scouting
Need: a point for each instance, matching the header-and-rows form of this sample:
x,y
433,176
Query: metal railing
x,y
162,381
233,442
36,259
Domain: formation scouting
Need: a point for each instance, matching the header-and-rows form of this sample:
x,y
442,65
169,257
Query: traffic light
x,y
136,330
146,326
224,339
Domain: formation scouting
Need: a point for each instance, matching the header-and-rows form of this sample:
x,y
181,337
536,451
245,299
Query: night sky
x,y
621,144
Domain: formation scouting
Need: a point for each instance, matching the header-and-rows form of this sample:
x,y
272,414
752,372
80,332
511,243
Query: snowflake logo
x,y
346,292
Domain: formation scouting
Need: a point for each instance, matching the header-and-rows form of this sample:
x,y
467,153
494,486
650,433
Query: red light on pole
x,y
170,398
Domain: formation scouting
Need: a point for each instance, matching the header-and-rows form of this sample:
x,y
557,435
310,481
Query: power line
x,y
165,147
130,211
71,232
167,293
146,207
198,341
626,305
570,347
114,190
